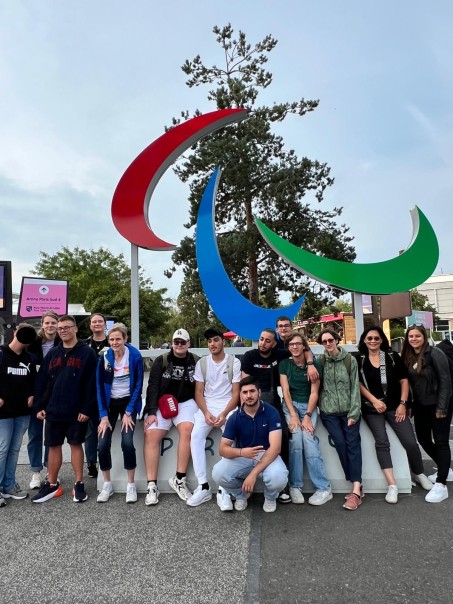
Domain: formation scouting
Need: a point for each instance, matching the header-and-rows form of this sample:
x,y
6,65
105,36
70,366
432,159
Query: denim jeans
x,y
347,444
231,473
127,438
12,432
35,444
303,444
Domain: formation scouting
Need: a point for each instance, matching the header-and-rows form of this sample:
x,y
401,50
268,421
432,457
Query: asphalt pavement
x,y
115,552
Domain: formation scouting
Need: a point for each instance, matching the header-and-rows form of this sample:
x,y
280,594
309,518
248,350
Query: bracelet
x,y
310,363
404,403
309,414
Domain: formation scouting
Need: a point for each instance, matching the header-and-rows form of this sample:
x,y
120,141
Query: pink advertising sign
x,y
37,296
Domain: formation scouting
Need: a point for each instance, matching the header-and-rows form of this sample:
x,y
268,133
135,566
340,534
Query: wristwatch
x,y
403,403
309,414
310,363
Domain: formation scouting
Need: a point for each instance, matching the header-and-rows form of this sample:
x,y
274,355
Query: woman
x,y
17,381
300,398
119,382
384,386
46,340
339,405
429,377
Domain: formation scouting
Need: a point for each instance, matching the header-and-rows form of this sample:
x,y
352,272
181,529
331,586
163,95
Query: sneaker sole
x,y
103,500
131,500
151,502
58,493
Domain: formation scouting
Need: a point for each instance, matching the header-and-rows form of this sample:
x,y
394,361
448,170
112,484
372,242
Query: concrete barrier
x,y
373,478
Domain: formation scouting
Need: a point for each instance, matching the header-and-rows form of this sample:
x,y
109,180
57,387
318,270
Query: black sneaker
x,y
284,496
78,492
92,469
47,491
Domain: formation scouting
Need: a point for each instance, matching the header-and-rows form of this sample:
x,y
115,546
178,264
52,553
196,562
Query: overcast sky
x,y
85,86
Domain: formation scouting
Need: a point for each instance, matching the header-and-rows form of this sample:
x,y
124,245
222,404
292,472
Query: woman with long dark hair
x,y
384,386
429,377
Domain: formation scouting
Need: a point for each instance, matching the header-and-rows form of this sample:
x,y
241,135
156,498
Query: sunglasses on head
x,y
416,325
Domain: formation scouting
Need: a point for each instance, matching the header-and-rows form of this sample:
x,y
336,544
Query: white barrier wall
x,y
373,478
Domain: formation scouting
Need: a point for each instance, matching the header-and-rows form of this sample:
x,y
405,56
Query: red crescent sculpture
x,y
133,193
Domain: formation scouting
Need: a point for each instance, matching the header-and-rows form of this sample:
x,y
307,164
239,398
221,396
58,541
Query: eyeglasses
x,y
329,341
284,325
373,338
296,344
179,342
64,329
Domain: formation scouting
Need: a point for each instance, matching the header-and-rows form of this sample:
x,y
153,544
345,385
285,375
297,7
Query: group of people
x,y
82,389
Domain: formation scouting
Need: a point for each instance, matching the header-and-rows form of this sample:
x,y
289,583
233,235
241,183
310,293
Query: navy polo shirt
x,y
249,431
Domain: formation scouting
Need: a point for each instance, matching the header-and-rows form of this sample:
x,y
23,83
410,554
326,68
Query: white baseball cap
x,y
181,333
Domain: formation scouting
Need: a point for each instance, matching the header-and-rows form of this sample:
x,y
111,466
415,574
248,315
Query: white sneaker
x,y
180,487
438,493
296,495
131,493
433,477
106,493
36,481
392,494
152,497
224,501
199,496
320,497
424,481
240,505
270,505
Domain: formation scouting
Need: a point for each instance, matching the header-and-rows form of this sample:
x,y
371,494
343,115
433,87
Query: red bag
x,y
168,406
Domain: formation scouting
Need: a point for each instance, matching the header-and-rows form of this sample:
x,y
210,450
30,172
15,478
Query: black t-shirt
x,y
395,370
97,345
17,381
264,368
180,369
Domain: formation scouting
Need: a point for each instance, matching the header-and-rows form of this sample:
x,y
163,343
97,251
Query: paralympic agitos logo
x,y
130,215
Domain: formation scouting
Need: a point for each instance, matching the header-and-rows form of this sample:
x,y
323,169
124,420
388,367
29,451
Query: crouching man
x,y
250,448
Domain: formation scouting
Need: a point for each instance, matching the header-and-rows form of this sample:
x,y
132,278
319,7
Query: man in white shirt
x,y
217,378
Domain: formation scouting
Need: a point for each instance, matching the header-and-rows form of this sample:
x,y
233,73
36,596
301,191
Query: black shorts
x,y
55,432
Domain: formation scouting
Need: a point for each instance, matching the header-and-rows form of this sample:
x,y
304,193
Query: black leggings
x,y
433,435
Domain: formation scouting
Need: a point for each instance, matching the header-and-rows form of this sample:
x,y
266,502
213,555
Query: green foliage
x,y
101,282
260,177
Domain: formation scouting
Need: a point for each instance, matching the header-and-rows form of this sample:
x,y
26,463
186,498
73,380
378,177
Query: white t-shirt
x,y
121,386
217,388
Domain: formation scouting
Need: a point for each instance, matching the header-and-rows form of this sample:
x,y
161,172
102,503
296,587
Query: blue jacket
x,y
104,380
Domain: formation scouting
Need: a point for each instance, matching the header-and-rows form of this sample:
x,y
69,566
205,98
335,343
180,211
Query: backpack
x,y
346,362
230,363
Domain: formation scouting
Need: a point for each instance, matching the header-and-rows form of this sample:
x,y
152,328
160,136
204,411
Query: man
x,y
98,341
217,378
17,382
250,448
262,363
172,373
284,326
65,397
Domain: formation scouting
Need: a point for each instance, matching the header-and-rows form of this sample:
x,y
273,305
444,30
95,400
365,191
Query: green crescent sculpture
x,y
411,268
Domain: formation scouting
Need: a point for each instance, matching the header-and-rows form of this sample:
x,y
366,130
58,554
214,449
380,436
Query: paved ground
x,y
117,553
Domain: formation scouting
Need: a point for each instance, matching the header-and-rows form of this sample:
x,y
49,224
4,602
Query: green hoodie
x,y
340,391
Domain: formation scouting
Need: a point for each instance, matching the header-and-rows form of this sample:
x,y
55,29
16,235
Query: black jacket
x,y
70,376
432,386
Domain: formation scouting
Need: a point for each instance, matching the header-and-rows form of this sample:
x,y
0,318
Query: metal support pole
x,y
358,315
135,312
